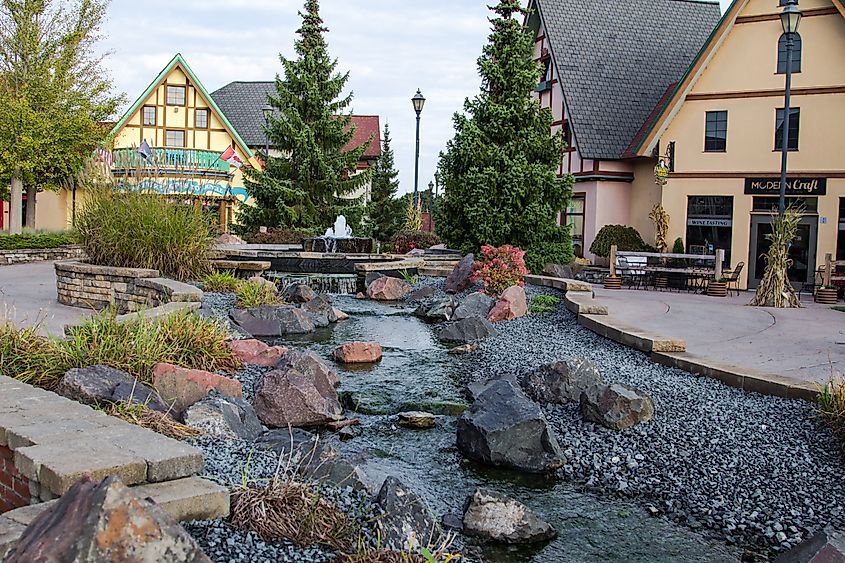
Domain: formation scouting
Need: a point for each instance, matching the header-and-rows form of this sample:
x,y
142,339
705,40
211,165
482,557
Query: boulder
x,y
828,546
183,387
503,519
260,280
358,353
419,294
255,352
476,388
227,417
300,392
417,419
558,271
407,522
299,293
561,382
340,315
320,310
273,320
228,238
96,384
467,331
386,288
474,305
464,349
461,276
102,523
439,311
504,428
617,406
512,304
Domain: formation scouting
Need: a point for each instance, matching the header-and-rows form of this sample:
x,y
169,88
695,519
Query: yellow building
x,y
721,128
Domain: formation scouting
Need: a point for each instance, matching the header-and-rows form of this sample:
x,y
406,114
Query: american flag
x,y
105,155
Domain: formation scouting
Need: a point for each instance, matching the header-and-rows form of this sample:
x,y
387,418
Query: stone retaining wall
x,y
80,284
25,256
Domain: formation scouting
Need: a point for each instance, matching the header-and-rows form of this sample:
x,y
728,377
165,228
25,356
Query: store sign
x,y
794,186
703,222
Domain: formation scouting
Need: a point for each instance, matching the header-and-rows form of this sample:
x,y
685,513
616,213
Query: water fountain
x,y
339,239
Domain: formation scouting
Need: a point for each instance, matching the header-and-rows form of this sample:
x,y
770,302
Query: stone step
x,y
248,265
192,498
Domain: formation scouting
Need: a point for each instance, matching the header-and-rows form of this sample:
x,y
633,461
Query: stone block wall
x,y
25,256
14,487
80,284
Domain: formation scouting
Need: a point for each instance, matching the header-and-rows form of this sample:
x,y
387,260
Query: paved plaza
x,y
28,297
805,344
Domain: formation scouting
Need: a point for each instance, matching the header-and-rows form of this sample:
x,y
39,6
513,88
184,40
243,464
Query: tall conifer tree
x,y
308,183
500,169
385,211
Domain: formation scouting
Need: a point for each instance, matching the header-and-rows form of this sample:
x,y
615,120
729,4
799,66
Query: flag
x,y
232,158
105,155
145,151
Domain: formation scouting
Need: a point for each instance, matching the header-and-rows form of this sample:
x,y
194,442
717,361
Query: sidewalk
x,y
803,344
28,298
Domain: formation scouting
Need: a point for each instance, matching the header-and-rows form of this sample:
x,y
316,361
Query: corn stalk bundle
x,y
774,289
660,219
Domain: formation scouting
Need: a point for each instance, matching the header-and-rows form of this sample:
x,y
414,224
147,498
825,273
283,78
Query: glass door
x,y
802,252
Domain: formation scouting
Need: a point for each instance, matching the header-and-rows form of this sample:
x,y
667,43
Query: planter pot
x,y
613,282
827,296
717,289
662,282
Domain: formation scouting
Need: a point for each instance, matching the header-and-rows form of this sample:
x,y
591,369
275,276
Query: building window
x,y
149,115
175,138
176,95
716,131
201,119
796,53
567,135
710,225
574,217
794,119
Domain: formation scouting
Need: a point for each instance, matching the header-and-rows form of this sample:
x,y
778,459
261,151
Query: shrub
x,y
405,241
36,241
544,304
142,230
500,268
280,236
625,238
223,281
678,247
831,401
183,339
255,294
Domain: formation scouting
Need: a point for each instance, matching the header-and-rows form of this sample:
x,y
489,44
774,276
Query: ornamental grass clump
x,y
500,268
223,281
831,403
133,229
145,417
255,294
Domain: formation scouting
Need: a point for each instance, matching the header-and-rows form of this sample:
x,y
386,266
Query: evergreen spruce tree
x,y
385,211
500,169
312,179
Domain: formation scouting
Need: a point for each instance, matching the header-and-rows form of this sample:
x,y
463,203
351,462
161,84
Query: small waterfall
x,y
321,283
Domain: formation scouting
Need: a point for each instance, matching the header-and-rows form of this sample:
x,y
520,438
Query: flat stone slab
x,y
160,312
250,265
630,336
582,303
174,290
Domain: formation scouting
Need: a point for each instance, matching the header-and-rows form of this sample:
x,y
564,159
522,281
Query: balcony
x,y
170,162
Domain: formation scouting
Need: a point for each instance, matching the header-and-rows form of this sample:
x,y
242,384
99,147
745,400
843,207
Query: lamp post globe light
x,y
431,196
418,102
268,113
790,18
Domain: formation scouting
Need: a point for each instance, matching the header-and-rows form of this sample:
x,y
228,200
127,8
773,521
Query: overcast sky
x,y
390,47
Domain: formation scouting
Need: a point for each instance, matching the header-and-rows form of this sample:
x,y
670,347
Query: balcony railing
x,y
187,162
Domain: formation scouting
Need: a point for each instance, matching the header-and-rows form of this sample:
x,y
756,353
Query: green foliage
x,y
182,339
413,217
625,238
384,209
255,294
27,241
831,403
140,230
223,281
310,182
542,304
500,171
406,241
408,277
678,247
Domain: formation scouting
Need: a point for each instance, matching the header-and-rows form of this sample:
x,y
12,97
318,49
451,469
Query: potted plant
x,y
613,282
827,295
717,288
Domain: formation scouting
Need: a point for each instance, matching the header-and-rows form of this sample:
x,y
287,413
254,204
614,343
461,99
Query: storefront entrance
x,y
802,252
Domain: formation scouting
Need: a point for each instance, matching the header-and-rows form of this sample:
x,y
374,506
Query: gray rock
x,y
828,546
96,384
439,311
407,521
273,320
558,271
504,428
474,305
476,388
320,309
227,417
419,294
617,406
562,382
452,521
460,278
467,331
299,293
417,419
503,519
464,349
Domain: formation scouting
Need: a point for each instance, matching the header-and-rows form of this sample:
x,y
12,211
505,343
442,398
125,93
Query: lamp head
x,y
419,102
790,17
268,113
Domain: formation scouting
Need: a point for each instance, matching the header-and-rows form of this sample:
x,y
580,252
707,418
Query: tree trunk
x,y
31,192
15,205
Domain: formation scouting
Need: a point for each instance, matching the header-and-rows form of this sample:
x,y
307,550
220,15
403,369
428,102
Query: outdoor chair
x,y
811,287
732,278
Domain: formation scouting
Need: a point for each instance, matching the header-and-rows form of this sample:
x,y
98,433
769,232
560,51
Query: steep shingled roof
x,y
244,103
616,59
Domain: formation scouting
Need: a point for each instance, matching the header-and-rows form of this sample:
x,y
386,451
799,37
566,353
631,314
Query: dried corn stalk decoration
x,y
660,219
774,289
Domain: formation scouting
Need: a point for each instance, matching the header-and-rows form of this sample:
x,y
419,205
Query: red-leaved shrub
x,y
500,268
405,241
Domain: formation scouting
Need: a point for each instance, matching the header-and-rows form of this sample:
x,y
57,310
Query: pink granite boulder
x,y
182,387
255,352
386,288
358,353
512,304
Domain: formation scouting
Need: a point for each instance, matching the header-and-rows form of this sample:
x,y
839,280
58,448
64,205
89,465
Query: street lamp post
x,y
431,197
789,18
419,102
268,113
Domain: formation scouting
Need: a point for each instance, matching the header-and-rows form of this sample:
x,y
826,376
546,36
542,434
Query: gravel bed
x,y
757,471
